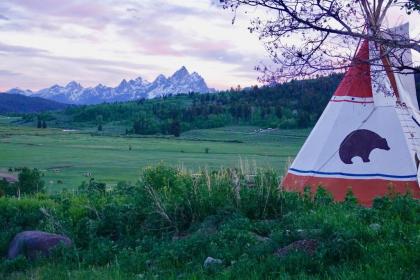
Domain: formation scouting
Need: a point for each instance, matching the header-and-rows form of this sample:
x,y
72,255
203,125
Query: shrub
x,y
24,214
167,224
30,181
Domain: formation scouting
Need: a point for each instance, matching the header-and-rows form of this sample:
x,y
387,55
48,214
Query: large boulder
x,y
34,243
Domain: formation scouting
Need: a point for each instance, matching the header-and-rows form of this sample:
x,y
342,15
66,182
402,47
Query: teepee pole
x,y
367,12
384,12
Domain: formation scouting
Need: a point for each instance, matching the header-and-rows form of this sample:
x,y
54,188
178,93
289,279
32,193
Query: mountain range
x,y
74,93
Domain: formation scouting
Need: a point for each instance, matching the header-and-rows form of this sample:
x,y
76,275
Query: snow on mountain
x,y
26,92
73,93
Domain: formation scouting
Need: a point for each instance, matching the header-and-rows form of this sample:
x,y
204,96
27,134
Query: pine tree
x,y
175,128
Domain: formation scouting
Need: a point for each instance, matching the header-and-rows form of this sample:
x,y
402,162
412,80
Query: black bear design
x,y
360,143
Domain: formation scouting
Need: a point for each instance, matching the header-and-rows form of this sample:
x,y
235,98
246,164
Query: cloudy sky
x,y
46,42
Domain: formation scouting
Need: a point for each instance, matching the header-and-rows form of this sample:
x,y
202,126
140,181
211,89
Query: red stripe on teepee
x,y
364,190
357,81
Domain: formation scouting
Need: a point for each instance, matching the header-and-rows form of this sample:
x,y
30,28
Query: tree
x,y
279,111
99,121
29,182
39,124
175,128
44,124
412,6
308,37
145,125
4,187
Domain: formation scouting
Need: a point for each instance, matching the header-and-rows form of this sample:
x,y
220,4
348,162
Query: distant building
x,y
8,177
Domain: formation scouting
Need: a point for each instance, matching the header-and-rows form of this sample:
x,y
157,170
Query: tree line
x,y
296,104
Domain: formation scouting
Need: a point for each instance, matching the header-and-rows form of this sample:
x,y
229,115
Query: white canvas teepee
x,y
367,138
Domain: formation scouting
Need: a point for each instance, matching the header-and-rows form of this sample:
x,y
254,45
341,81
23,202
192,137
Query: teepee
x,y
367,138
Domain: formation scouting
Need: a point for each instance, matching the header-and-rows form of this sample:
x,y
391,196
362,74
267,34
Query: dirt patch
x,y
59,167
308,246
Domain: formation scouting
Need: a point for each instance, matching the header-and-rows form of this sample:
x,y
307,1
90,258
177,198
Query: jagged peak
x,y
123,83
100,86
195,74
161,77
73,84
139,81
181,72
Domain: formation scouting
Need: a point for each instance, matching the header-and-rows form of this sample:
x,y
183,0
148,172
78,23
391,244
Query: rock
x,y
211,261
303,233
209,226
375,227
32,243
307,246
261,238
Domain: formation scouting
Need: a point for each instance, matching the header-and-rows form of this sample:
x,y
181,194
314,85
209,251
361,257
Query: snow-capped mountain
x,y
73,93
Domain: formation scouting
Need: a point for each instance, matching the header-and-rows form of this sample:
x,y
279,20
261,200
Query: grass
x,y
65,157
166,225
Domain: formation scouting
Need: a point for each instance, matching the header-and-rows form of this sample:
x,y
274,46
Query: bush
x,y
167,224
24,214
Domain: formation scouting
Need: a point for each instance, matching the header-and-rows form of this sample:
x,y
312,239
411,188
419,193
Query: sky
x,y
46,42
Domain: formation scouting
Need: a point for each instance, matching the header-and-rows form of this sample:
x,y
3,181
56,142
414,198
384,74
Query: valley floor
x,y
67,157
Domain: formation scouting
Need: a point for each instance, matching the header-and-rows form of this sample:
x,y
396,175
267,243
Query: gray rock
x,y
211,261
375,227
33,243
260,238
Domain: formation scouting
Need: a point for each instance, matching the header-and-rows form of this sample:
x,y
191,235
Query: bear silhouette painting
x,y
360,143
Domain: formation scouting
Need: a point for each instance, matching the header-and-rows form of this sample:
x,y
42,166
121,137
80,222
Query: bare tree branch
x,y
307,37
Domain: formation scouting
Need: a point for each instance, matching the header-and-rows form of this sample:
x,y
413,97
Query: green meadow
x,y
67,158
168,220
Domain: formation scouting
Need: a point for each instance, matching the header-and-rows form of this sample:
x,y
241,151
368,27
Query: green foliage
x,y
30,181
24,214
167,224
297,104
175,128
4,187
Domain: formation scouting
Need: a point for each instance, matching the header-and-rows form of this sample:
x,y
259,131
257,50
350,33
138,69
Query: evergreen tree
x,y
175,128
278,111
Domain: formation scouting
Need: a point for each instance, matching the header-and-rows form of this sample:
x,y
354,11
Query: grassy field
x,y
65,157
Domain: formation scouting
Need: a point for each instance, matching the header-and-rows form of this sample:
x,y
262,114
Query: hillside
x,y
16,103
297,104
